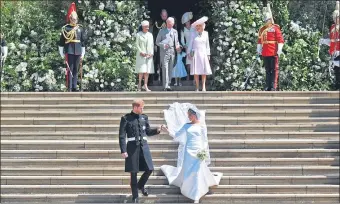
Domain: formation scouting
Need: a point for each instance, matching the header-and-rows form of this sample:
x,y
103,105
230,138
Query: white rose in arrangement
x,y
11,46
119,80
18,32
21,67
33,33
96,80
101,22
23,46
112,84
101,6
101,85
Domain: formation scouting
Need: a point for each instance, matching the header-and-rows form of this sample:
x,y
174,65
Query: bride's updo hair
x,y
194,112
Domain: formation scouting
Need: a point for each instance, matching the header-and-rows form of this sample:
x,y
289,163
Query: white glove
x,y
4,51
61,52
259,49
82,52
279,48
324,42
335,54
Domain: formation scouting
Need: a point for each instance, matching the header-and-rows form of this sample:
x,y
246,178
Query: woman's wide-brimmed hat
x,y
200,21
186,17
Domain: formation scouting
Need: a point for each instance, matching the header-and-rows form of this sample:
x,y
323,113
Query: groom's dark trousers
x,y
143,179
132,140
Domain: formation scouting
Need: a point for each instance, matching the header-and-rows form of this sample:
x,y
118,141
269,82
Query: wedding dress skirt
x,y
192,175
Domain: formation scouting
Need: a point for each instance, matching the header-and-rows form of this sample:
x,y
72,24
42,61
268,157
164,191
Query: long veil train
x,y
191,174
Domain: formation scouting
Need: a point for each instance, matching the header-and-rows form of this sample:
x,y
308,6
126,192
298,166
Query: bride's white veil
x,y
176,116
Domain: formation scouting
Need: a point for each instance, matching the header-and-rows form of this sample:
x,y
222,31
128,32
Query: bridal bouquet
x,y
202,154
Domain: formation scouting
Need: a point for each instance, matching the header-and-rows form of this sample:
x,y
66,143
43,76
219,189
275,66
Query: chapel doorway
x,y
175,8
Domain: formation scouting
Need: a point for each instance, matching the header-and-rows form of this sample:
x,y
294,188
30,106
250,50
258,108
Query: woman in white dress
x,y
199,52
192,173
144,55
185,37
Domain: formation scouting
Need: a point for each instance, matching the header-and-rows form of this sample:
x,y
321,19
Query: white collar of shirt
x,y
169,29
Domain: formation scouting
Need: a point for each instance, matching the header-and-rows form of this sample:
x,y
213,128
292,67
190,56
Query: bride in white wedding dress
x,y
186,124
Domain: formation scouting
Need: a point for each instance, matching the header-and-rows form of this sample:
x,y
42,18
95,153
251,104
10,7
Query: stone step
x,y
160,107
170,100
168,144
217,120
119,171
81,135
169,190
161,180
155,113
334,94
316,127
213,198
169,154
217,162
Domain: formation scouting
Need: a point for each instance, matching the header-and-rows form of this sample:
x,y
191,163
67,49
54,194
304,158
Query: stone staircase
x,y
272,147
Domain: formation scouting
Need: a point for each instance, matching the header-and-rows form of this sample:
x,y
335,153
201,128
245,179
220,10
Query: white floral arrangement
x,y
234,41
202,154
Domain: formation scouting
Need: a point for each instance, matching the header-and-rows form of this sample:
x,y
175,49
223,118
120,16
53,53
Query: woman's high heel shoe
x,y
146,89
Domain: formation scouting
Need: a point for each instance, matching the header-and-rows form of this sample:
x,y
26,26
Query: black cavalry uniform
x,y
72,38
136,127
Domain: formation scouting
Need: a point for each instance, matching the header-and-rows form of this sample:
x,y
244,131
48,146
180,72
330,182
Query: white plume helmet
x,y
268,13
336,12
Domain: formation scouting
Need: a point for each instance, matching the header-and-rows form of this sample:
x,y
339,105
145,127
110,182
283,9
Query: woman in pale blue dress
x,y
192,173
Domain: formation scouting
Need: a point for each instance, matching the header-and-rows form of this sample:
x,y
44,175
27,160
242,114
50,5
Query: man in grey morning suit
x,y
167,40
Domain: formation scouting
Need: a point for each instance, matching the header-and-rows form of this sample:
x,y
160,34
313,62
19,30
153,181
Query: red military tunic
x,y
269,37
335,38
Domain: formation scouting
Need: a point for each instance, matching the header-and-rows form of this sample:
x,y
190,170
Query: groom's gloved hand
x,y
125,155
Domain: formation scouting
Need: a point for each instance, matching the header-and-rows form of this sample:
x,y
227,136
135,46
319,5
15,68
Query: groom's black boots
x,y
140,185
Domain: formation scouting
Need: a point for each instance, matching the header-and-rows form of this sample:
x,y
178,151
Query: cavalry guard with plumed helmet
x,y
72,47
269,45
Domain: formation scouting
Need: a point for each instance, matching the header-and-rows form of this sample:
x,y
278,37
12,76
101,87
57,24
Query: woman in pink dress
x,y
199,51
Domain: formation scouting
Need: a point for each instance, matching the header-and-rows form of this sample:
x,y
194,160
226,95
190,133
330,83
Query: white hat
x,y
187,17
145,23
200,21
336,12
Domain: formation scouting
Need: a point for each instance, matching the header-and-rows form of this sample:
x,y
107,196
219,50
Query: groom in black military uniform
x,y
136,152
